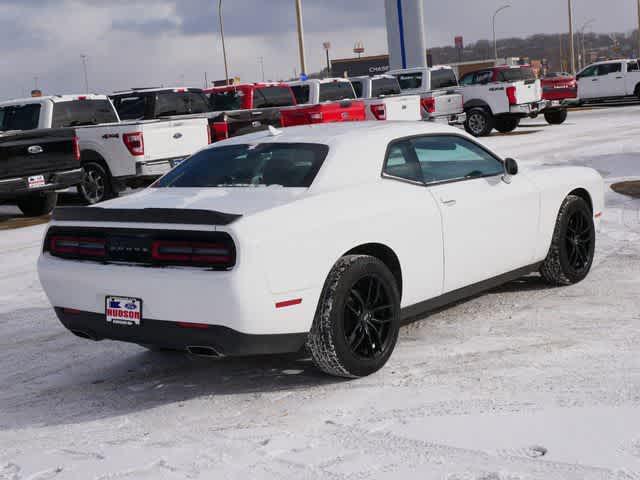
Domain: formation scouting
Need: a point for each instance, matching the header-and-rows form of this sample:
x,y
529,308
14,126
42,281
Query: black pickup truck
x,y
35,164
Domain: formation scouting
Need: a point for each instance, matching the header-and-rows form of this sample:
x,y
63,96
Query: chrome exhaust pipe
x,y
203,351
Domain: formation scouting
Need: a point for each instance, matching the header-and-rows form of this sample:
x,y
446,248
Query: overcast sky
x,y
134,43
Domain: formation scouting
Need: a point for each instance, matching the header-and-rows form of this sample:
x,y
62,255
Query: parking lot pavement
x,y
525,382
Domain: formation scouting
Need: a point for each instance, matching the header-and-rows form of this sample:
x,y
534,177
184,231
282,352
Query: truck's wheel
x,y
38,204
506,125
571,254
357,320
556,117
479,122
636,92
96,185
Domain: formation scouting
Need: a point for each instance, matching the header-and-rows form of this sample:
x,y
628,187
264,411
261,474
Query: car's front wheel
x,y
96,185
357,320
571,254
556,117
479,122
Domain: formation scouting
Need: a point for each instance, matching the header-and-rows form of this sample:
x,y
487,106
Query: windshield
x,y
226,100
293,165
19,117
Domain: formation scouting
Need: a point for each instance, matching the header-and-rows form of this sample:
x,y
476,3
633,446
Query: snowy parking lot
x,y
524,382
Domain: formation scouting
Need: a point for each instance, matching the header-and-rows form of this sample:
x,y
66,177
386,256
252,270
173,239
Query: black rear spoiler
x,y
144,215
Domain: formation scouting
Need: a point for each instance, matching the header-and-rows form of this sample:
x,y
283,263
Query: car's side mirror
x,y
511,166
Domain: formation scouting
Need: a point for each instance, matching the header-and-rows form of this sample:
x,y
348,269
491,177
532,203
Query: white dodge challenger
x,y
326,237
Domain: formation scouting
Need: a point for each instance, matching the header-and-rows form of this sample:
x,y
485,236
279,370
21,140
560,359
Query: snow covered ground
x,y
525,382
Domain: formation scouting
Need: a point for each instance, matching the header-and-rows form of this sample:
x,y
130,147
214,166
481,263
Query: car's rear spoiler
x,y
144,215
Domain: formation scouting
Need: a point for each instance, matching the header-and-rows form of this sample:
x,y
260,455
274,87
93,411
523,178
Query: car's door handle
x,y
449,203
256,113
594,80
619,78
35,149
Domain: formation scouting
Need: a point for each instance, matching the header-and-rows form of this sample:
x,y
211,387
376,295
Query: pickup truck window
x,y
20,117
410,81
301,93
229,100
293,165
633,67
82,112
132,107
449,157
443,78
608,68
357,87
516,75
334,91
270,97
385,86
180,103
477,78
589,72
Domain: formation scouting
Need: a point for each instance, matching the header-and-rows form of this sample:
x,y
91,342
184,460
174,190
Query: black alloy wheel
x,y
579,241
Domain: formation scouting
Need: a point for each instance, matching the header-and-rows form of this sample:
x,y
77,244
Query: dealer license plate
x,y
36,181
124,311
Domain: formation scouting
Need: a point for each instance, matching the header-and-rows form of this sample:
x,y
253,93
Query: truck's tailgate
x,y
37,152
167,139
528,91
401,107
447,103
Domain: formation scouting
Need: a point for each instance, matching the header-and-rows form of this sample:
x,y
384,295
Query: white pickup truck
x,y
114,154
499,97
384,100
437,87
612,79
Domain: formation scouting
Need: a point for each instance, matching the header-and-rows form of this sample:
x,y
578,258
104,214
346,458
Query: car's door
x,y
631,77
489,221
589,83
611,80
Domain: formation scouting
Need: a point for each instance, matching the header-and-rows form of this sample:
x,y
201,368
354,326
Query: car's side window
x,y
483,77
401,163
589,72
633,66
450,157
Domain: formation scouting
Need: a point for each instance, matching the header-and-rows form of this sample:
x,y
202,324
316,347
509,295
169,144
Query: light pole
x,y
495,42
327,47
303,61
86,76
261,62
584,51
638,28
572,50
224,48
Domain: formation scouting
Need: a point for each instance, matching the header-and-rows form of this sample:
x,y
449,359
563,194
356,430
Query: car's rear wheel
x,y
356,326
506,125
479,122
556,117
37,204
96,184
571,254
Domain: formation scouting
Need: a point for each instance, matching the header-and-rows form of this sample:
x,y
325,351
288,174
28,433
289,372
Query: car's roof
x,y
134,91
329,133
619,60
318,80
54,99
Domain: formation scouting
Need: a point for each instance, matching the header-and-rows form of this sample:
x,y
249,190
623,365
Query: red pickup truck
x,y
556,88
247,108
324,101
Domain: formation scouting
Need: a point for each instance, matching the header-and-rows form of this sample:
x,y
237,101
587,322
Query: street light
x,y
224,48
638,28
495,43
261,63
572,50
327,47
584,51
86,77
303,60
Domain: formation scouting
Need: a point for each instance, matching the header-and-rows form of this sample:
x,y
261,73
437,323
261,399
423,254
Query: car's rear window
x,y
271,97
385,86
180,103
516,74
443,78
293,165
410,81
334,91
82,112
130,107
20,117
301,93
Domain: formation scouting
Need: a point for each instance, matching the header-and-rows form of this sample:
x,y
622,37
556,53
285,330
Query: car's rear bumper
x,y
156,168
450,119
526,109
13,187
215,340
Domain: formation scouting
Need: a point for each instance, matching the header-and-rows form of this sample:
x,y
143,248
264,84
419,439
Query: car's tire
x,y
573,244
479,122
96,184
356,325
506,125
37,204
556,117
636,92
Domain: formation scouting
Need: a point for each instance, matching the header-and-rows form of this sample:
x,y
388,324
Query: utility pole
x,y
572,51
495,42
261,62
327,47
303,61
224,48
86,76
638,29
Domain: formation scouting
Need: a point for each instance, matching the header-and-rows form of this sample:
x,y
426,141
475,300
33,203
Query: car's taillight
x,y
134,143
219,131
191,253
316,117
511,95
77,247
76,148
379,111
429,104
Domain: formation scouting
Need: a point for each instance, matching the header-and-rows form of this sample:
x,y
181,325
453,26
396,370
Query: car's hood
x,y
238,200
